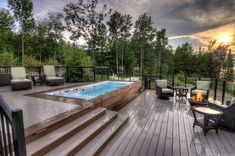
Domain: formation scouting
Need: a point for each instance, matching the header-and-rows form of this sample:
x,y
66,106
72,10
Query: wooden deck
x,y
163,127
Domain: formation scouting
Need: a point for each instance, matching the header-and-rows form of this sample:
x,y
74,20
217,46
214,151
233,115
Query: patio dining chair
x,y
51,78
164,89
19,79
202,87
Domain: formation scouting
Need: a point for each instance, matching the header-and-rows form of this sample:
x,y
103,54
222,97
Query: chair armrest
x,y
170,86
193,88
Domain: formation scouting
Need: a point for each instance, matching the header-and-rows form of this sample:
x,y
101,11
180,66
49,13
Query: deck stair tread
x,y
103,138
52,139
79,140
38,130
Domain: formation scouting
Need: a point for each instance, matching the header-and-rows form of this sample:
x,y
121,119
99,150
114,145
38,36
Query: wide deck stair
x,y
85,134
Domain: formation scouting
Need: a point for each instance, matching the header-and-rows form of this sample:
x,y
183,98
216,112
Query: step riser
x,y
78,147
110,138
69,135
56,125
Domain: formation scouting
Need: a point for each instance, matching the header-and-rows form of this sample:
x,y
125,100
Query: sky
x,y
193,21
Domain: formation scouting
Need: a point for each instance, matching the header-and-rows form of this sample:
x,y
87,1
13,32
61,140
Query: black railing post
x,y
102,73
81,74
173,80
233,90
185,80
215,89
94,74
67,74
223,93
18,133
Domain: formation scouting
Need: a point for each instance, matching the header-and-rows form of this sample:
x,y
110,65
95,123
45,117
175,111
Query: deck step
x,y
79,140
96,145
49,141
36,131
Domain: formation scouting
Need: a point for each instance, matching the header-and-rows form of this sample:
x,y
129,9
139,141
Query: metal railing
x,y
12,138
70,73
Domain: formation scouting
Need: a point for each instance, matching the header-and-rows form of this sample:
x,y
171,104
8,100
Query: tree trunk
x,y
122,58
141,59
160,55
117,65
22,44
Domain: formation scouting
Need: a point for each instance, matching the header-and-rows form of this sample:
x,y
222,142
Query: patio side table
x,y
181,92
210,119
37,79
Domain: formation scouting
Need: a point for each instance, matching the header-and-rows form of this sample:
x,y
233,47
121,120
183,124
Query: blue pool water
x,y
90,91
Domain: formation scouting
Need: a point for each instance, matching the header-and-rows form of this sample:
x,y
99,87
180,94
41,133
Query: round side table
x,y
211,118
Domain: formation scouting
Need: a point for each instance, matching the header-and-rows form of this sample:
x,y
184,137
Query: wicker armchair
x,y
19,79
164,89
228,118
202,87
51,78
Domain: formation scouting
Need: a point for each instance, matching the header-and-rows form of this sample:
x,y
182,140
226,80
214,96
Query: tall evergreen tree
x,y
143,34
83,20
119,29
6,33
22,10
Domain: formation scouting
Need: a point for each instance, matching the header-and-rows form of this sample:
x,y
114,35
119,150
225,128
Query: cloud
x,y
192,20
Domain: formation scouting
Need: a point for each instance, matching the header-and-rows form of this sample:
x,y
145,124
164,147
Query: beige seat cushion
x,y
161,83
198,91
18,73
20,80
167,90
49,71
203,85
54,78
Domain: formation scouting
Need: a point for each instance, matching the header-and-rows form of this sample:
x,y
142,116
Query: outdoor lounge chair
x,y
19,79
164,89
51,78
228,118
202,87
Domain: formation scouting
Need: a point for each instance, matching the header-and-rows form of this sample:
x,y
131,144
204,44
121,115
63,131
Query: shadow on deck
x,y
165,127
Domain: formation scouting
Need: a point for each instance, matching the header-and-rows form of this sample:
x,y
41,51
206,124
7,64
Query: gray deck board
x,y
163,127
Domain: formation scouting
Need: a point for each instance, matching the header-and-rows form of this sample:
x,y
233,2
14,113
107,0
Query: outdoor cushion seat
x,y
203,87
54,78
199,91
19,80
51,77
164,89
167,90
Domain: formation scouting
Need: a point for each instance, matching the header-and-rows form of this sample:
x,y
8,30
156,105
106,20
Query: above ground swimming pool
x,y
91,91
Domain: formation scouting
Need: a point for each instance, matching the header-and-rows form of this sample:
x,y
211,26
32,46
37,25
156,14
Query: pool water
x,y
90,91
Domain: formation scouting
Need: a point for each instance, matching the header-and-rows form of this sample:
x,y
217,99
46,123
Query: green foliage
x,y
22,10
83,19
51,62
31,61
7,59
229,67
74,56
179,79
